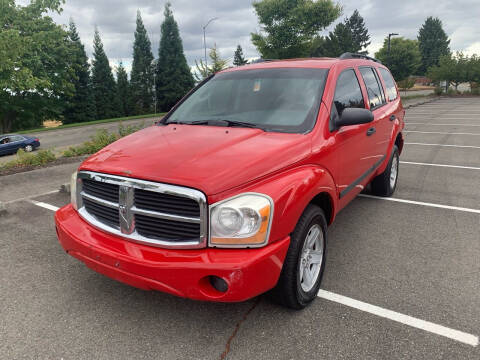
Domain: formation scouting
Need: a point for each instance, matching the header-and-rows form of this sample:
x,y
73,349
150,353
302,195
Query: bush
x,y
101,139
438,91
23,159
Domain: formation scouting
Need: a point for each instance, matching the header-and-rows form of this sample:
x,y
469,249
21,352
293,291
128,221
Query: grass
x,y
24,159
104,121
97,142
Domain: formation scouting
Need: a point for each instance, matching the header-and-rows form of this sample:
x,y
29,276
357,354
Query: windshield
x,y
285,99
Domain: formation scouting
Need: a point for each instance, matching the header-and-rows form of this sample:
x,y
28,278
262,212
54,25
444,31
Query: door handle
x,y
371,131
392,117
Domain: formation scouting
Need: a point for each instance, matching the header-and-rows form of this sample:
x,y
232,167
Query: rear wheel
x,y
386,183
303,266
29,148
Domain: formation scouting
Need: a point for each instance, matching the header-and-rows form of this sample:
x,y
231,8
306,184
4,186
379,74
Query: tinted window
x,y
389,84
348,93
285,100
374,90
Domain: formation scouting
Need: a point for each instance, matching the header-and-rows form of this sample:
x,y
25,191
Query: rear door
x,y
381,125
353,150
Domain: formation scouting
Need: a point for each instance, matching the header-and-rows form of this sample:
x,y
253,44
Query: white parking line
x,y
440,165
44,205
445,145
440,206
438,132
433,328
415,123
33,196
428,326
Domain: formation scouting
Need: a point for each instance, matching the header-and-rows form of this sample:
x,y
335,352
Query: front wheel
x,y
305,261
386,183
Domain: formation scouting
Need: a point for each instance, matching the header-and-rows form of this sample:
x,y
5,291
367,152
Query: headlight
x,y
242,221
73,190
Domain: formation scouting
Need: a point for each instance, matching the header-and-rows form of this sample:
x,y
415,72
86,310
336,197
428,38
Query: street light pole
x,y
389,37
205,39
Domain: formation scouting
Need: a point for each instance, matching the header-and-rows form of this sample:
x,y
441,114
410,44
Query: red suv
x,y
230,195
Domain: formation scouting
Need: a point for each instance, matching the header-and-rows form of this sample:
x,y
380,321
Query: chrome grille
x,y
142,211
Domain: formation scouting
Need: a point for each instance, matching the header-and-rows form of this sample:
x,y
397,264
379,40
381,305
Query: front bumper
x,y
184,273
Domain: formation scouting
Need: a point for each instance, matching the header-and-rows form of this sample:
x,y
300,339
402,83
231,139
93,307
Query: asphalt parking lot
x,y
401,282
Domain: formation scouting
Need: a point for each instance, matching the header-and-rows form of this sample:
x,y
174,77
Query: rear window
x,y
374,88
389,84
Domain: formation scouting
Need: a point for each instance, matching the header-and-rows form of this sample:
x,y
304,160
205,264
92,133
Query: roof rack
x,y
349,55
260,60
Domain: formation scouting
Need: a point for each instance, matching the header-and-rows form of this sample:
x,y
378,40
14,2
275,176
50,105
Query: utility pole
x,y
204,38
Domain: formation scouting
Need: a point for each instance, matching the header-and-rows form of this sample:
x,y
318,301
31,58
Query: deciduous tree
x,y
174,78
290,26
404,58
34,71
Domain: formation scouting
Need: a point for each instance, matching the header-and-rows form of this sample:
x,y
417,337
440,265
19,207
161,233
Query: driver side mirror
x,y
354,116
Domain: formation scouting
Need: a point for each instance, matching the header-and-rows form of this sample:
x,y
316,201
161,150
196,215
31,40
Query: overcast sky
x,y
236,20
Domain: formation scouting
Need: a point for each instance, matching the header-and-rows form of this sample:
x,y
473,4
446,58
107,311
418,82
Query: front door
x,y
353,149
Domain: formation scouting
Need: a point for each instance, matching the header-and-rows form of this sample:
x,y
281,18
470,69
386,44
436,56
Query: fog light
x,y
219,284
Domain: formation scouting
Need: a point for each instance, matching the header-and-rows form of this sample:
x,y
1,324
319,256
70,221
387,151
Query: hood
x,y
209,158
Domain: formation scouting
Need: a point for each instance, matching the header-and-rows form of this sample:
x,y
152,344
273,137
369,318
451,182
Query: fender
x,y
396,130
291,190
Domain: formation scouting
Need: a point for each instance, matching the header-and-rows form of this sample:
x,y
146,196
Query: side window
x,y
374,89
348,93
389,84
16,138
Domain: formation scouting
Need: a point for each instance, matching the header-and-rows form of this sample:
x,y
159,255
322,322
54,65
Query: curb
x,y
3,209
422,103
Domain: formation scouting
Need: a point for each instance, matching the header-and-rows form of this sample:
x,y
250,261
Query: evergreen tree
x,y
217,64
142,70
123,91
174,78
360,36
80,106
433,43
238,59
349,36
338,42
103,83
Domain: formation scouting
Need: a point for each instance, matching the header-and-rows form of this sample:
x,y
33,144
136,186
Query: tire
x,y
385,184
294,288
28,148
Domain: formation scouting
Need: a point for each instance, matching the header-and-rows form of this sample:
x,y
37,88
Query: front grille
x,y
166,229
103,213
101,190
152,213
166,203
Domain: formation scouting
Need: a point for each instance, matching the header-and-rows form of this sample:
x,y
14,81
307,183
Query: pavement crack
x,y
223,356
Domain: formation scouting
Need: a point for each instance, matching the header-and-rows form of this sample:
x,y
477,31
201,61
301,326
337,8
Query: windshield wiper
x,y
227,123
218,122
